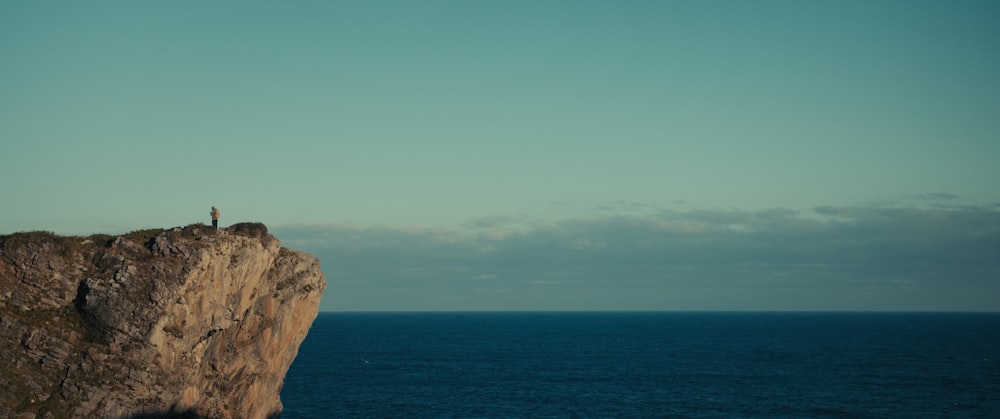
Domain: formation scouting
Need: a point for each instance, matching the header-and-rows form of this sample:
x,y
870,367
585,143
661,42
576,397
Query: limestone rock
x,y
187,322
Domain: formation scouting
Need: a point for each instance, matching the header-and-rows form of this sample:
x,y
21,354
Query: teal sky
x,y
406,133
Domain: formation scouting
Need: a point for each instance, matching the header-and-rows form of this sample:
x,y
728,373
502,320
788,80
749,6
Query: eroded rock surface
x,y
180,322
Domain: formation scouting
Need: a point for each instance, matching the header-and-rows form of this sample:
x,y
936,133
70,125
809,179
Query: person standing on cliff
x,y
215,218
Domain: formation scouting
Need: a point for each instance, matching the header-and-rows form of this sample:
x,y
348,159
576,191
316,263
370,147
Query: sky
x,y
530,155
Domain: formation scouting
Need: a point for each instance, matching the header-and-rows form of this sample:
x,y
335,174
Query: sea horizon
x,y
647,364
665,311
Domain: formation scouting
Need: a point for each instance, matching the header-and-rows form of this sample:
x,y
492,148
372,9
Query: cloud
x,y
938,196
830,258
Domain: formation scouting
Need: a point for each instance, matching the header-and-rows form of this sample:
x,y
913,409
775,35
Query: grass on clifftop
x,y
70,244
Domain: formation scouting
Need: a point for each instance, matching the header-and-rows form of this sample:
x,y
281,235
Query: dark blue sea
x,y
639,364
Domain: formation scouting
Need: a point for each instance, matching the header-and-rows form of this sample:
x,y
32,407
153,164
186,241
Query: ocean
x,y
647,364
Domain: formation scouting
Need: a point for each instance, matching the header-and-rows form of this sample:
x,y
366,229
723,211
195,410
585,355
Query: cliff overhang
x,y
188,321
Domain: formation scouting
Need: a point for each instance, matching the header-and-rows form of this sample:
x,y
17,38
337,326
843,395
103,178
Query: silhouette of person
x,y
215,218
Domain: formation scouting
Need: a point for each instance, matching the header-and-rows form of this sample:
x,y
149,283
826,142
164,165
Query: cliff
x,y
185,322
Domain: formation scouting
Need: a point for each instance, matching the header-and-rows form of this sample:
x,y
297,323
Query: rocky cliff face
x,y
182,322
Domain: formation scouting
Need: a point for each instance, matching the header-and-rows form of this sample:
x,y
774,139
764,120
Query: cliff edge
x,y
187,322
